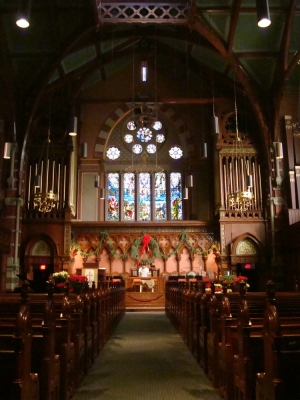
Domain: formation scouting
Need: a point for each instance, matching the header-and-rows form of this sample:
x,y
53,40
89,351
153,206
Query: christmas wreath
x,y
145,244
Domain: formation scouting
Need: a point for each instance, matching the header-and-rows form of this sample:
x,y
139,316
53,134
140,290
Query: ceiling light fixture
x,y
263,13
278,150
23,15
73,127
45,199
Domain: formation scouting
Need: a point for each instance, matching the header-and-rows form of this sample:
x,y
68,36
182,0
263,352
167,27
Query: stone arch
x,y
246,249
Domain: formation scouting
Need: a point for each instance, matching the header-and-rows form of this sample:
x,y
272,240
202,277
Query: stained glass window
x,y
157,125
151,149
128,138
113,153
176,195
113,197
137,200
129,197
175,152
137,148
160,138
160,196
144,134
131,125
144,197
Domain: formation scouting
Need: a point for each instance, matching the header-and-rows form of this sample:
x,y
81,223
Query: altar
x,y
145,293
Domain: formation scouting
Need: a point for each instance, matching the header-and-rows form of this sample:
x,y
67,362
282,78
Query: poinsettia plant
x,y
78,283
240,279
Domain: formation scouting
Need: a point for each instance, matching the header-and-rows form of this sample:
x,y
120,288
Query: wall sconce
x,y
185,193
83,149
278,150
263,13
7,150
22,20
73,127
97,181
102,193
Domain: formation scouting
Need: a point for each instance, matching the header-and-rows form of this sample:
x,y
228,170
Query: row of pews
x,y
248,344
49,341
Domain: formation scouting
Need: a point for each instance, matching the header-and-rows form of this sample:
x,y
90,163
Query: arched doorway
x,y
246,257
39,262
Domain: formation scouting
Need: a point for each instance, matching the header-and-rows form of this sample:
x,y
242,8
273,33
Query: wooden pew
x,y
281,338
64,347
16,380
242,348
44,360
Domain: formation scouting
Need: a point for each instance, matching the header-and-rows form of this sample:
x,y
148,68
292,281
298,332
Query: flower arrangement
x,y
241,278
227,278
218,288
60,277
78,282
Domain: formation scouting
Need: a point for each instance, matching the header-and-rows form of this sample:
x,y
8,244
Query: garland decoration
x,y
144,244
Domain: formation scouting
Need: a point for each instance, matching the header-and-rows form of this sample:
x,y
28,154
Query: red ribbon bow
x,y
145,245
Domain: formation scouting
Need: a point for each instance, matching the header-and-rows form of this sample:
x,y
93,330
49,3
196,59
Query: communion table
x,y
145,293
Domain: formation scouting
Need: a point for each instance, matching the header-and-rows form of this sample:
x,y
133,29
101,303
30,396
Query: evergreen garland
x,y
153,247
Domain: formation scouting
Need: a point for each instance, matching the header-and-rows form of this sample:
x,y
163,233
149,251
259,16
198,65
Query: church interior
x,y
148,145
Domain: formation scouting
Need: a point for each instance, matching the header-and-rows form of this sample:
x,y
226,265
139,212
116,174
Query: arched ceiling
x,y
70,47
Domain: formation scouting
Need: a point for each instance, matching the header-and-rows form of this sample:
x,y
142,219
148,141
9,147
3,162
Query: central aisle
x,y
145,359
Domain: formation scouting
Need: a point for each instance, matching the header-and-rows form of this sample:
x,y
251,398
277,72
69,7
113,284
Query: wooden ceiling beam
x,y
196,22
160,100
233,23
257,54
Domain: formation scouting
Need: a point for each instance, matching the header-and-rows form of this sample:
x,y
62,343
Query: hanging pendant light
x,y
102,193
73,127
185,193
83,150
249,181
7,150
23,16
205,150
97,181
216,129
189,181
278,150
263,13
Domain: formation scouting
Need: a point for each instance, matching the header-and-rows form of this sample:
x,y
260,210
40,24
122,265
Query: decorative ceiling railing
x,y
109,12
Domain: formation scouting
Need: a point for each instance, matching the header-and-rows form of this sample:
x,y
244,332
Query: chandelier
x,y
45,201
241,198
44,198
